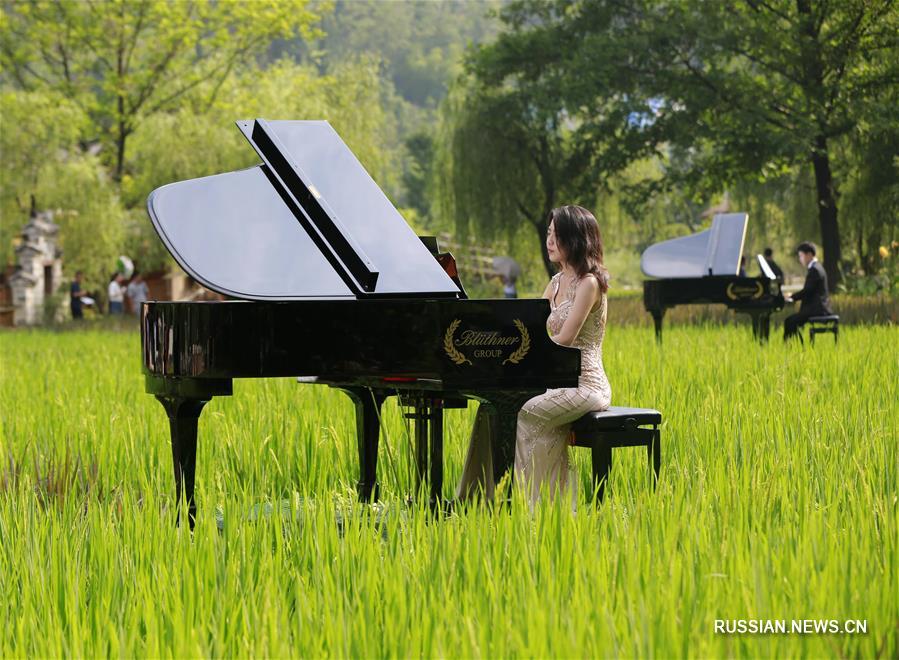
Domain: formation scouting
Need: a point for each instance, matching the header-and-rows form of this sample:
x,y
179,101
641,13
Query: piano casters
x,y
368,427
184,414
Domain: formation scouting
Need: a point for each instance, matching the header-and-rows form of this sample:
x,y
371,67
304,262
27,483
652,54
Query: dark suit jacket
x,y
813,296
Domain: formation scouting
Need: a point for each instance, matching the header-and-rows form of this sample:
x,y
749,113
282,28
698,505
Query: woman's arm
x,y
585,296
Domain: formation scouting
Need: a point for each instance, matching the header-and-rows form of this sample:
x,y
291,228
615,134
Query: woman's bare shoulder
x,y
598,278
588,282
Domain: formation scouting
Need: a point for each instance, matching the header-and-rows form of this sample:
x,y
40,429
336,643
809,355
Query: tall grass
x,y
778,500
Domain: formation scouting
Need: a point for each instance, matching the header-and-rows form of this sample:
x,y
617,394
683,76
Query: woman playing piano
x,y
577,295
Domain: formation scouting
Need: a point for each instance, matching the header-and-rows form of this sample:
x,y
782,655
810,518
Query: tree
x,y
744,88
41,164
506,157
124,60
44,124
420,43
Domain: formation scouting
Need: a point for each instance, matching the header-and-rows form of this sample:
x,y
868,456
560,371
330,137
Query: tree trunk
x,y
827,212
120,157
121,136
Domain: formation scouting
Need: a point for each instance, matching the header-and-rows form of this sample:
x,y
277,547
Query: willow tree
x,y
505,158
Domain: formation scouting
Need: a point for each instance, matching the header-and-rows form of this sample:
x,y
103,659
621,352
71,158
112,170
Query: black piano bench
x,y
618,427
819,324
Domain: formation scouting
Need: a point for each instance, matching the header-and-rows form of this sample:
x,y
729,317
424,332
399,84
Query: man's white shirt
x,y
116,292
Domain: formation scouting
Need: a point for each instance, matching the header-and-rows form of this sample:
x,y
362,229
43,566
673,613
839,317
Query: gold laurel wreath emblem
x,y
454,353
519,353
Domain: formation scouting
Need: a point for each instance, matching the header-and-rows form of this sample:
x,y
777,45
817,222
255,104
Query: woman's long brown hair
x,y
577,233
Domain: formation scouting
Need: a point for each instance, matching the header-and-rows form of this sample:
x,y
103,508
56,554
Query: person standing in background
x,y
137,292
769,257
509,289
75,296
116,294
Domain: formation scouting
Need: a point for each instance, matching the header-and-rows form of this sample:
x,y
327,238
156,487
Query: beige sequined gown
x,y
541,446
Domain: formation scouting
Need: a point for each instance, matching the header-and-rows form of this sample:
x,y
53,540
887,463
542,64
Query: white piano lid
x,y
232,233
715,251
308,223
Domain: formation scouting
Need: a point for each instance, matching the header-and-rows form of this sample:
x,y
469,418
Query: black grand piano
x,y
328,284
704,268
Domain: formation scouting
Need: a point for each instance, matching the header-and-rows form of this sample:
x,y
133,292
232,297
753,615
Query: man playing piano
x,y
813,295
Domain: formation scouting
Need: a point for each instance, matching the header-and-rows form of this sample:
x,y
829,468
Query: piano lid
x,y
308,223
715,251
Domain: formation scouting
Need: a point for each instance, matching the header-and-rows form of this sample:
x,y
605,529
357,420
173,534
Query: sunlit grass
x,y
778,499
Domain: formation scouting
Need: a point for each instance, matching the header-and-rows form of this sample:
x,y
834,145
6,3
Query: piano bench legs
x,y
820,324
618,427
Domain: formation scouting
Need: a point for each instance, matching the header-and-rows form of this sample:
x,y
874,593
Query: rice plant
x,y
778,500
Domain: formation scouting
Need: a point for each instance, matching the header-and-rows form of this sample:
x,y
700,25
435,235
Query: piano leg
x,y
368,429
421,418
428,418
765,326
184,414
657,316
436,457
761,325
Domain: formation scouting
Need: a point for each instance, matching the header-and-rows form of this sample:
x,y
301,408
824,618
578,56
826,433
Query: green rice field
x,y
777,501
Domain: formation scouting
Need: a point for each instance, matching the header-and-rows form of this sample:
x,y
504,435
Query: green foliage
x,y
418,173
420,43
419,47
91,77
90,219
122,61
770,505
177,113
70,181
505,159
720,92
871,195
44,123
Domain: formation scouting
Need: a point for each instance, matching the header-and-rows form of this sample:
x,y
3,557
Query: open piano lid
x,y
715,251
309,222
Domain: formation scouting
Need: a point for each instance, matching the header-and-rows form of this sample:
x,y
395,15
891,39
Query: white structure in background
x,y
38,272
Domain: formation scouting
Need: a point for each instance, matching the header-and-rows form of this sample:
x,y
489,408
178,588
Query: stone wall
x,y
38,272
